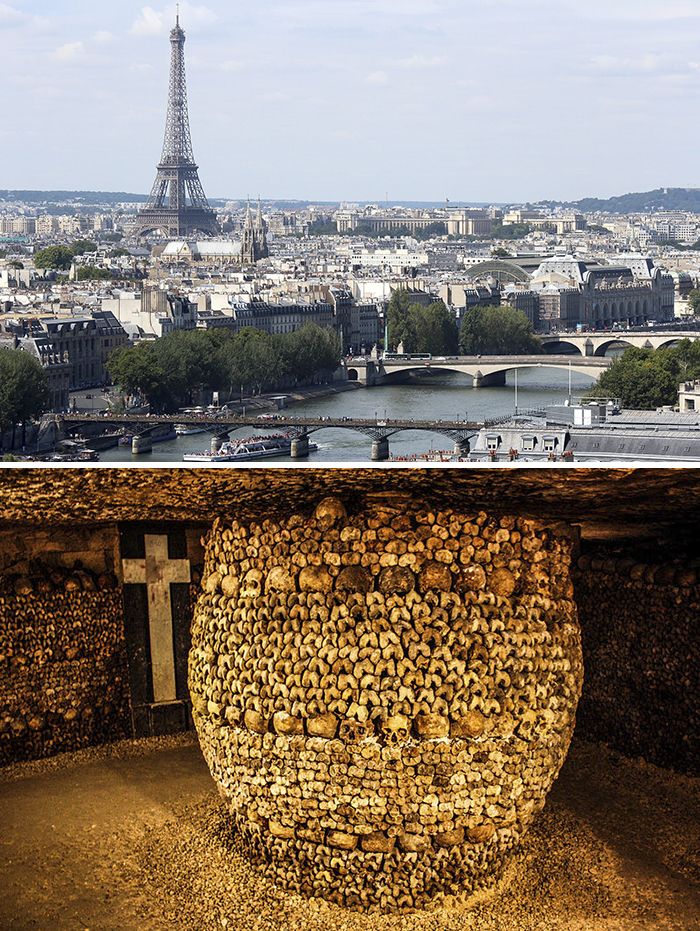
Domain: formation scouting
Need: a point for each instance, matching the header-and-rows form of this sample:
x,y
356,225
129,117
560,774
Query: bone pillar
x,y
385,697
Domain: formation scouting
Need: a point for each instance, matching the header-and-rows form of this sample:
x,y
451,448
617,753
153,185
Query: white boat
x,y
184,429
254,447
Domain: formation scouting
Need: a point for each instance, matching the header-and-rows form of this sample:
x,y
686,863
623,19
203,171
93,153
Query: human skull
x,y
252,584
396,730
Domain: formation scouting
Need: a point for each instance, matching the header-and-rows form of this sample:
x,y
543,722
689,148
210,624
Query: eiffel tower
x,y
169,208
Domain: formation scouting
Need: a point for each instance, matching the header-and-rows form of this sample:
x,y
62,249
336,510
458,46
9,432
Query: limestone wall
x,y
63,678
641,641
385,697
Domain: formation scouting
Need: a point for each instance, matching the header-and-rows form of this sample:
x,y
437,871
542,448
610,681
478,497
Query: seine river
x,y
441,397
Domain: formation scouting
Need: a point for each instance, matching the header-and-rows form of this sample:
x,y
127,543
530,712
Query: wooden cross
x,y
157,571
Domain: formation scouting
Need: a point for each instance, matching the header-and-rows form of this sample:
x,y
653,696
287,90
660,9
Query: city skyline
x,y
312,101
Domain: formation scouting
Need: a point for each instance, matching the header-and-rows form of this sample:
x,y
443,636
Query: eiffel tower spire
x,y
177,205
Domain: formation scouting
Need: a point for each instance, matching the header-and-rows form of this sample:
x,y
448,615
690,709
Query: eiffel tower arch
x,y
177,204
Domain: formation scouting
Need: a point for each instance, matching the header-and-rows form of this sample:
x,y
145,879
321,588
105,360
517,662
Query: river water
x,y
445,396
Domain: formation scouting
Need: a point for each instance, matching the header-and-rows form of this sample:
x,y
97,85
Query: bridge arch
x,y
670,344
563,347
353,375
602,349
482,369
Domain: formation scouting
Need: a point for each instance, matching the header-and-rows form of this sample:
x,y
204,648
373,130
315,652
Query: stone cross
x,y
157,571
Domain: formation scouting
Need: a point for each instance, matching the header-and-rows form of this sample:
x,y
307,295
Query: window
x,y
689,404
492,442
529,443
550,443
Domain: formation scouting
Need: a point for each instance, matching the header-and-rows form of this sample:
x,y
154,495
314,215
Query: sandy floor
x,y
132,837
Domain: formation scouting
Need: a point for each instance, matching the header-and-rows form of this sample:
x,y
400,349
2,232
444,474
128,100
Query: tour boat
x,y
254,447
184,429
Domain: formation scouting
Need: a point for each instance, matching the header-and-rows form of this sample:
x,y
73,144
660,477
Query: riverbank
x,y
268,402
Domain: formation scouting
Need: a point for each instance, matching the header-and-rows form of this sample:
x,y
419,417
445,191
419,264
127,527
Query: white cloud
x,y
147,23
421,61
11,16
615,65
70,51
152,22
377,78
103,36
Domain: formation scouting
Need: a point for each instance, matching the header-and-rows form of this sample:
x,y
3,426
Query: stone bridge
x,y
484,370
598,344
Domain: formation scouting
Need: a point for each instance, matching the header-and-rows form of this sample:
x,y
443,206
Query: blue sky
x,y
484,100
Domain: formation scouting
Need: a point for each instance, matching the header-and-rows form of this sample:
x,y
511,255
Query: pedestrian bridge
x,y
484,370
598,344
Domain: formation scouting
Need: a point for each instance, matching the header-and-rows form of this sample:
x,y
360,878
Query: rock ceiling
x,y
607,503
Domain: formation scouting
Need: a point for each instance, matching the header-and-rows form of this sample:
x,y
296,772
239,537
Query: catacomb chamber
x,y
384,693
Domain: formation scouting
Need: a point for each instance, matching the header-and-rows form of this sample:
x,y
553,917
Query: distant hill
x,y
80,198
672,198
73,197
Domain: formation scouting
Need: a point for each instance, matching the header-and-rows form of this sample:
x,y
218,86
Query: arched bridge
x,y
379,431
484,370
597,344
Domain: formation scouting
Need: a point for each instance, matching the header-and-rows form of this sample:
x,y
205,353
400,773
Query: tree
x,y
644,379
309,352
399,325
54,257
137,370
497,331
81,246
435,329
694,301
23,388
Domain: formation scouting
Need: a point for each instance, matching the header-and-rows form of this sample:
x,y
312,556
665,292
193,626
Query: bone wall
x,y
641,641
384,697
63,678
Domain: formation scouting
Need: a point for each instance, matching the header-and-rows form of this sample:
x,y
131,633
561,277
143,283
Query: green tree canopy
x,y
81,246
644,379
497,331
170,371
421,328
434,329
23,388
694,300
93,273
54,257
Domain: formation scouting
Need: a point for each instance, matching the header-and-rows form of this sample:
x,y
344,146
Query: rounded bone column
x,y
385,697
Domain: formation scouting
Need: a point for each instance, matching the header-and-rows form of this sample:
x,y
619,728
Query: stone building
x,y
82,343
152,312
574,293
282,317
254,239
359,325
57,369
208,251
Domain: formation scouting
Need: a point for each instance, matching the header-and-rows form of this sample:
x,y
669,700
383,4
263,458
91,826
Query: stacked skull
x,y
384,699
